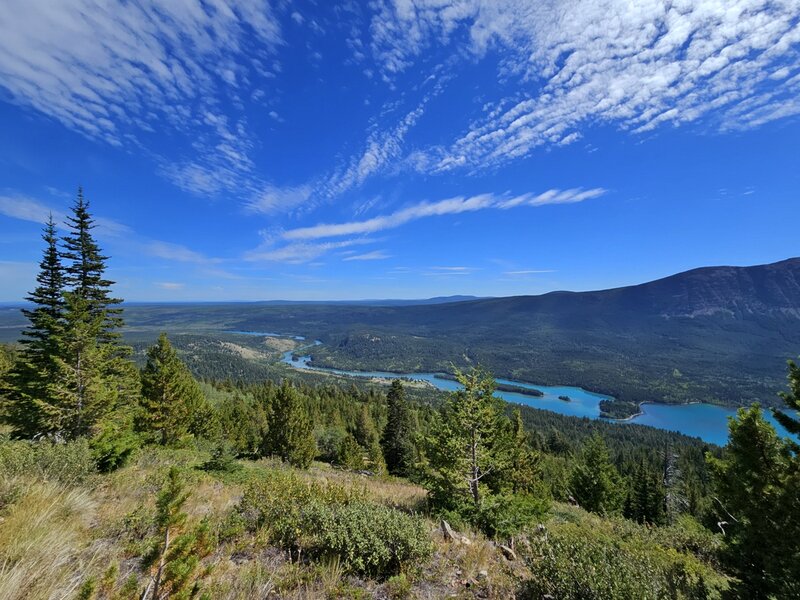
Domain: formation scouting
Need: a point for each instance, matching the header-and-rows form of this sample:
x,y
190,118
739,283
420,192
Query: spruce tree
x,y
172,402
757,507
397,440
595,482
35,366
467,444
83,390
524,460
291,433
85,271
792,400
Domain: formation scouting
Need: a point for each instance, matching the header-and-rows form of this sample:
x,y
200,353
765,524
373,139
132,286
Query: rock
x,y
507,552
448,532
483,574
452,536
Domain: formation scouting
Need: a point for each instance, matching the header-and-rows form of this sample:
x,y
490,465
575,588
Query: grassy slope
x,y
55,536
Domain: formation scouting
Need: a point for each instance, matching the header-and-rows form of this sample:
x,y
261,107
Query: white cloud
x,y
123,71
176,252
299,252
272,199
374,255
170,285
27,209
734,64
443,207
529,272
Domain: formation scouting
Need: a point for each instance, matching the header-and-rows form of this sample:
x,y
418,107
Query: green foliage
x,y
241,421
397,440
173,404
593,562
223,459
504,515
177,550
351,454
291,434
757,483
320,520
595,482
70,463
479,460
646,501
72,373
467,443
792,401
34,366
85,271
116,442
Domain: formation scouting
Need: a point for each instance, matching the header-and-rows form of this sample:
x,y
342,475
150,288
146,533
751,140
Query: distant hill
x,y
719,334
385,302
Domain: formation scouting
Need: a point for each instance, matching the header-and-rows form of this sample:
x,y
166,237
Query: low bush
x,y
69,463
575,561
324,520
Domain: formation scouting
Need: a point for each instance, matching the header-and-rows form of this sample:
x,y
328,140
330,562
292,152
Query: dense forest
x,y
177,469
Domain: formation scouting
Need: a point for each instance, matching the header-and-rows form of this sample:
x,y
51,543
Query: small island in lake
x,y
612,408
565,398
502,387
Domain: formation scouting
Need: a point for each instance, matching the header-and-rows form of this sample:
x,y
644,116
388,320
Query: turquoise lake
x,y
706,421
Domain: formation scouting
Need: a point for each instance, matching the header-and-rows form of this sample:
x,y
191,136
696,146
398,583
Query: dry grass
x,y
44,542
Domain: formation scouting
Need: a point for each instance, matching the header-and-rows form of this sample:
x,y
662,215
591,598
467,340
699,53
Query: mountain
x,y
718,334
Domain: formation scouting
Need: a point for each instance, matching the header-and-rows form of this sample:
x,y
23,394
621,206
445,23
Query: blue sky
x,y
253,149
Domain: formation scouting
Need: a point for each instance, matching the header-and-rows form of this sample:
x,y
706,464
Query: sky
x,y
267,149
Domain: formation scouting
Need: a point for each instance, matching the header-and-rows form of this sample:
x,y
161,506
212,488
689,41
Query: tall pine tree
x,y
85,271
469,444
172,402
93,383
397,440
595,481
35,366
290,431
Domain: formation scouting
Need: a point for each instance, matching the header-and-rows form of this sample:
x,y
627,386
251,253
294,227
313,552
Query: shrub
x,y
503,516
323,520
576,561
223,459
71,463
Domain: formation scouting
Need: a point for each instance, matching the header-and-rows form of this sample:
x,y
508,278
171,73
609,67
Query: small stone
x,y
507,552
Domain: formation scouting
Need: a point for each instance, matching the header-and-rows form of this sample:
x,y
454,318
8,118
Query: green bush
x,y
577,561
323,520
503,516
69,463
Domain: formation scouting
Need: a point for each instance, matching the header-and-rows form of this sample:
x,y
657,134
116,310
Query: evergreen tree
x,y
351,454
467,443
524,472
645,499
85,273
35,366
377,464
172,402
83,390
365,432
595,481
177,550
397,440
291,433
792,400
757,506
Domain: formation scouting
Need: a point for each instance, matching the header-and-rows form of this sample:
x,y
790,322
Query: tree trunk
x,y
161,562
473,484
